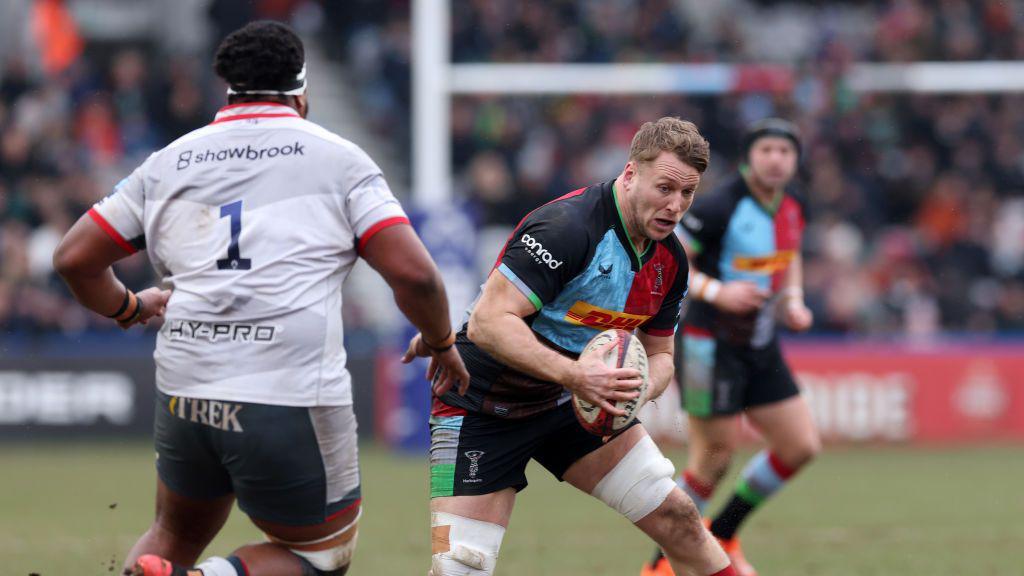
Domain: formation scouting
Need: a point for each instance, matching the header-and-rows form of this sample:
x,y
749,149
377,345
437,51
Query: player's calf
x,y
676,526
797,454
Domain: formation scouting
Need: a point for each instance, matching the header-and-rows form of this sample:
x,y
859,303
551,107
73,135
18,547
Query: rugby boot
x,y
153,565
658,566
735,553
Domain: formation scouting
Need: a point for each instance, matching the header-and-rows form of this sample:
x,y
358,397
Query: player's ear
x,y
629,172
302,105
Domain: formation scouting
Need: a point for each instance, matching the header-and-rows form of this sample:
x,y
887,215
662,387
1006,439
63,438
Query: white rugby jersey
x,y
254,222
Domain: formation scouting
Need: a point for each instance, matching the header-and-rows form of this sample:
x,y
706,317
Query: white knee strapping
x,y
472,546
332,558
639,483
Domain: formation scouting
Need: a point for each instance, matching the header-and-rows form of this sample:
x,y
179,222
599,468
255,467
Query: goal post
x,y
436,81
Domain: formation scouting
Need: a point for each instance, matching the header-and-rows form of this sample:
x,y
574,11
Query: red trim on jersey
x,y
501,254
658,332
696,331
343,510
385,223
250,116
780,468
245,104
111,231
442,410
789,227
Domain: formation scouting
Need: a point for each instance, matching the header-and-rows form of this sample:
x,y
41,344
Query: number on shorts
x,y
234,261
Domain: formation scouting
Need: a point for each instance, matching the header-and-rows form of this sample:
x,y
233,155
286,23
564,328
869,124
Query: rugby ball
x,y
627,352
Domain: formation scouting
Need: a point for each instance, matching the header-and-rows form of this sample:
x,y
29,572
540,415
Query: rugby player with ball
x,y
598,262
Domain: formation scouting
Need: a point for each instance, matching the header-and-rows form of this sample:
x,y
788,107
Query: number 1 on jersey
x,y
234,261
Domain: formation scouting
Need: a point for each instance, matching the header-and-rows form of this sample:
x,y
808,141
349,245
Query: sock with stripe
x,y
230,566
727,571
698,491
763,476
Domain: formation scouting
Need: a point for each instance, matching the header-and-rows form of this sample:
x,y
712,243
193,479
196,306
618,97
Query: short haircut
x,y
261,55
775,127
680,137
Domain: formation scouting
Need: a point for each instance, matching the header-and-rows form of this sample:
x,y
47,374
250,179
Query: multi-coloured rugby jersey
x,y
573,259
735,237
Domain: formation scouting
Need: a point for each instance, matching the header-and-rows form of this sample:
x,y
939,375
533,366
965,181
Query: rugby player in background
x,y
744,242
253,223
601,257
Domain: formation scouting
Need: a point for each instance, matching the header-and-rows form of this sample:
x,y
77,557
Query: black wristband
x,y
440,350
446,343
124,305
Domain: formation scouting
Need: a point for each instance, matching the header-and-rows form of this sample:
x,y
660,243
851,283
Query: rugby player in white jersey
x,y
253,223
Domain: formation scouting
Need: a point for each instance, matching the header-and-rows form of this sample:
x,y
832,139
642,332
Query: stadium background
x,y
914,258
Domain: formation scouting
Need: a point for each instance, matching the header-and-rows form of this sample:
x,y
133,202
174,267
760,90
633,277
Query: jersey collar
x,y
249,110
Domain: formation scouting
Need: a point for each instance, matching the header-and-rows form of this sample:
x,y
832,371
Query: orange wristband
x,y
132,311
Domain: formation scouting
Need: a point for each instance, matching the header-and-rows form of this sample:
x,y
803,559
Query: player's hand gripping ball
x,y
626,352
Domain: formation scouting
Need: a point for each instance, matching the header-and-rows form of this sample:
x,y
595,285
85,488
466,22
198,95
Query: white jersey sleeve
x,y
120,214
369,204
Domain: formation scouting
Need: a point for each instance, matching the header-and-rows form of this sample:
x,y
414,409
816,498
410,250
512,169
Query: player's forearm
x,y
704,287
508,339
425,303
660,369
794,282
97,290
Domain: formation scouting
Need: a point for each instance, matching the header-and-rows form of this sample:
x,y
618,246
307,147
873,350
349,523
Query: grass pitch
x,y
76,508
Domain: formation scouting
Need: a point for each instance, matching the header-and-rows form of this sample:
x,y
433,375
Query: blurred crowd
x,y
64,142
917,203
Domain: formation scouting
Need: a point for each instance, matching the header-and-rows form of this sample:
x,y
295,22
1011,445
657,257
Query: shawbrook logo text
x,y
189,158
539,252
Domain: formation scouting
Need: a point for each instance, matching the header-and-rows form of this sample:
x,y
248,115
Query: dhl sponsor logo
x,y
764,264
585,314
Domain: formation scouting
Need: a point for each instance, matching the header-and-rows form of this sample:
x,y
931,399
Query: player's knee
x,y
463,546
308,569
327,556
330,562
639,483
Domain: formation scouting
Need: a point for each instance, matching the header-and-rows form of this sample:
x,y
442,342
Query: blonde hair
x,y
680,137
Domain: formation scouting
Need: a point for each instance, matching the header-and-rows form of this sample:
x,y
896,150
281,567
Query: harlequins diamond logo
x,y
659,281
474,463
